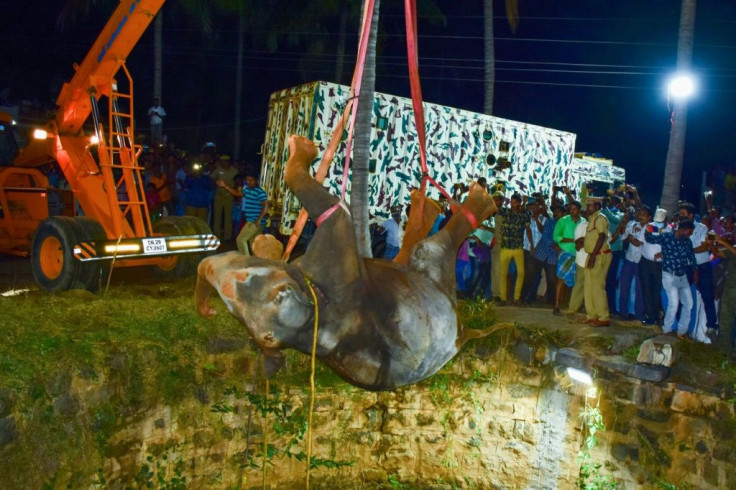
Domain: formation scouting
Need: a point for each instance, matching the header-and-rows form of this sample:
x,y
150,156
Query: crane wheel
x,y
52,258
94,273
180,265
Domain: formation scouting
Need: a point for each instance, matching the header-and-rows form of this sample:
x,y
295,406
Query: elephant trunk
x,y
202,292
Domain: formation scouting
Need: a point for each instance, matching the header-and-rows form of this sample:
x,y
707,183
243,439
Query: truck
x,y
90,138
462,146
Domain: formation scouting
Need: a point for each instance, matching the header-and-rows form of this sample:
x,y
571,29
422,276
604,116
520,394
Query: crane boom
x,y
104,176
96,73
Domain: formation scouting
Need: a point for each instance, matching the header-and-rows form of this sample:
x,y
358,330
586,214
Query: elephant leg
x,y
334,245
477,207
315,199
435,256
422,216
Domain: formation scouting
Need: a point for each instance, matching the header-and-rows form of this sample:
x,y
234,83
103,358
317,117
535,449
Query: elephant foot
x,y
302,153
424,212
479,203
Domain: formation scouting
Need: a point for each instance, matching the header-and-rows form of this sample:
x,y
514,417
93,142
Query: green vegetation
x,y
590,476
145,343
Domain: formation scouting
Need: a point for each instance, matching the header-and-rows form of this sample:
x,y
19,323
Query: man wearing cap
x,y
599,260
650,272
677,258
703,246
223,202
617,221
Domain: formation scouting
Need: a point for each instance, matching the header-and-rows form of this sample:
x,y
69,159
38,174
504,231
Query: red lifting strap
x,y
350,110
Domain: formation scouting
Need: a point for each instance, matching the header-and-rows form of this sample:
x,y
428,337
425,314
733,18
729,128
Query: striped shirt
x,y
252,204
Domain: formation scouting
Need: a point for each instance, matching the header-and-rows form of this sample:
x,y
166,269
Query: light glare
x,y
579,376
40,134
682,86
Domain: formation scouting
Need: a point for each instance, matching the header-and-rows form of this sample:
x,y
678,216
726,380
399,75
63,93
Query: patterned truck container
x,y
461,147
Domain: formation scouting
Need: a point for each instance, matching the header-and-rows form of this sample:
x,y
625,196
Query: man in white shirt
x,y
702,246
577,296
157,114
650,273
634,235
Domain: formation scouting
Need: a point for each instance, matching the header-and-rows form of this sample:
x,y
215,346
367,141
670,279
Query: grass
x,y
43,334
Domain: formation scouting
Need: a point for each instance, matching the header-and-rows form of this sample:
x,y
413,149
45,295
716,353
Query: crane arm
x,y
96,73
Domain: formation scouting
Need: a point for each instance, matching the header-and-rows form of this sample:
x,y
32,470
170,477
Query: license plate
x,y
154,245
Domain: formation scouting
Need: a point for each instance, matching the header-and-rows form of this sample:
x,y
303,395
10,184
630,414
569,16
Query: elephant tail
x,y
203,289
472,333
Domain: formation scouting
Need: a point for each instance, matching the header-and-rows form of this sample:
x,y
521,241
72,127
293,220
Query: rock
x,y
7,401
200,393
524,353
687,402
659,351
66,405
654,415
375,474
8,431
701,447
649,373
59,383
624,452
220,345
710,473
571,358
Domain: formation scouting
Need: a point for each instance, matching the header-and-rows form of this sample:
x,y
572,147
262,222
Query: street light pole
x,y
676,149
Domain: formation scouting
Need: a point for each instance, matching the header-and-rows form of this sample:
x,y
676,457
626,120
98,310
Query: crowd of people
x,y
610,256
210,186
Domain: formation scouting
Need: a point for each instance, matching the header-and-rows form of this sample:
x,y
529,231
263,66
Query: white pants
x,y
678,291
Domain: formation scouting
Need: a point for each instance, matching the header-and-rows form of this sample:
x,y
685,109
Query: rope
x,y
112,265
351,108
242,477
311,379
265,436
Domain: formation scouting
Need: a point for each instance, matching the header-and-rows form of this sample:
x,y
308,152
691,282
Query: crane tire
x,y
94,273
180,265
52,255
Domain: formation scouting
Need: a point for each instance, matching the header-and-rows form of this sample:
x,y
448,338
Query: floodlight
x,y
681,86
40,134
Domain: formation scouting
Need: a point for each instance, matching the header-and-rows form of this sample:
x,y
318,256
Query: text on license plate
x,y
154,245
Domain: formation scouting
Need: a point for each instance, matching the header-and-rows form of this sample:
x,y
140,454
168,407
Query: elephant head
x,y
267,296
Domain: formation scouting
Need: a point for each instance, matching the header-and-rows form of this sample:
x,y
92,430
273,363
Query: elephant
x,y
382,324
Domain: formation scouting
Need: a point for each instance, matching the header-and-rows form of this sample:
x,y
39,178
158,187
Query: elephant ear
x,y
294,307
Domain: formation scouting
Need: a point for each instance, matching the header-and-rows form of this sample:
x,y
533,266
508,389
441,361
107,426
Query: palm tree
x,y
676,149
512,15
359,193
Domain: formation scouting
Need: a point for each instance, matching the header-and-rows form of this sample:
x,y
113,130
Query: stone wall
x,y
499,416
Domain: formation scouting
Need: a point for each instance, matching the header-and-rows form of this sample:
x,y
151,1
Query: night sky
x,y
593,67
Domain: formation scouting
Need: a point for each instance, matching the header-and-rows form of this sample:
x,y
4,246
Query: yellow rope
x,y
311,379
265,436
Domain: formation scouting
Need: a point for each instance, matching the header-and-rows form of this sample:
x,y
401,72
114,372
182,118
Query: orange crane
x,y
104,176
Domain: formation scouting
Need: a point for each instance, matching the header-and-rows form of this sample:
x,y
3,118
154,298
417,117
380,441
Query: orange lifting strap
x,y
416,215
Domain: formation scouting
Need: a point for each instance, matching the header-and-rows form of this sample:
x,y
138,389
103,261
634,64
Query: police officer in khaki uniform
x,y
599,260
223,203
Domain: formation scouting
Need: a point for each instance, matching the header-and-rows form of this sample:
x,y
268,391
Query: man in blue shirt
x,y
254,208
677,258
617,221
